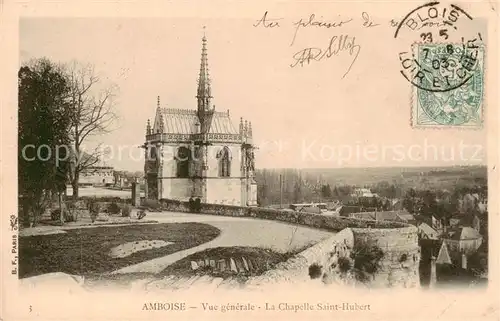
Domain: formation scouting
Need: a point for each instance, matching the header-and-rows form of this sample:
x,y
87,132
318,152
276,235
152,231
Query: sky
x,y
322,115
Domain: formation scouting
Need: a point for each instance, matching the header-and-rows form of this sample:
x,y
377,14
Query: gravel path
x,y
281,237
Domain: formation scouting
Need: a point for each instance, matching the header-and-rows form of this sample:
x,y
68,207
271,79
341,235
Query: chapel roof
x,y
184,121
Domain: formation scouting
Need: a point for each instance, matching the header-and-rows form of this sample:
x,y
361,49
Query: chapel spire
x,y
204,93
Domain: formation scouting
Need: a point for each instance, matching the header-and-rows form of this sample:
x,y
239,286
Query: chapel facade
x,y
199,153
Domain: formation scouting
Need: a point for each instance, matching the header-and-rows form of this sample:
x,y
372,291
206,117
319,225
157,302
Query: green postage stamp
x,y
448,86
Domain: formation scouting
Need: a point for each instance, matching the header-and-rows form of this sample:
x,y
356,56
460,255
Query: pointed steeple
x,y
241,126
204,93
158,124
148,128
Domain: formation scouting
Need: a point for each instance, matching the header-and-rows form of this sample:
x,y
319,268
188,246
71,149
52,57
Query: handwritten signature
x,y
337,45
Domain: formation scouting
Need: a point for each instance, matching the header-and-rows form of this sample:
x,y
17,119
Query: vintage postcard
x,y
249,160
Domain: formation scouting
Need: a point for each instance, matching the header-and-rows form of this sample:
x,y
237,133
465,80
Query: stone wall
x,y
323,254
224,191
176,188
330,223
399,266
327,255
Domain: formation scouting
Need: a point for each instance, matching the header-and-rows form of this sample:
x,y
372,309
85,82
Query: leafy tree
x,y
335,192
326,191
429,203
44,120
410,201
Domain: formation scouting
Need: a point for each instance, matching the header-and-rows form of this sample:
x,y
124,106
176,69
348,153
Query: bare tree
x,y
92,114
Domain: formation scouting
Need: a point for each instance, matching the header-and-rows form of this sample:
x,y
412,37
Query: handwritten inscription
x,y
313,22
367,22
336,45
266,22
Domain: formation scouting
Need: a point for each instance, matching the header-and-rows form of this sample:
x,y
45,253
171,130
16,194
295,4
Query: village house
x,y
363,192
465,220
95,172
443,263
427,232
463,240
398,216
396,204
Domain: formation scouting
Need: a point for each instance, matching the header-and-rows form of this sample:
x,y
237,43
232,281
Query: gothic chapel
x,y
199,153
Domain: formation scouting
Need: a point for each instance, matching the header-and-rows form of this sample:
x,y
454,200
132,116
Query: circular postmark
x,y
441,67
438,61
444,63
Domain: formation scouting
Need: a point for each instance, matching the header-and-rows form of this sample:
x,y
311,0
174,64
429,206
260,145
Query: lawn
x,y
85,251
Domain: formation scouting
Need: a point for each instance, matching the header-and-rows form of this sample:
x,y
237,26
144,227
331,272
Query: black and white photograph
x,y
340,151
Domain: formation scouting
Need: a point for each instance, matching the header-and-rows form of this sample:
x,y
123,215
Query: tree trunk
x,y
26,212
61,208
74,185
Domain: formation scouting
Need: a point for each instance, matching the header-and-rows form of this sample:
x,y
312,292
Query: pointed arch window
x,y
224,162
183,159
152,153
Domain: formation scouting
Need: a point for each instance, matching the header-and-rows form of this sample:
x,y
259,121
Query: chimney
x,y
432,281
464,261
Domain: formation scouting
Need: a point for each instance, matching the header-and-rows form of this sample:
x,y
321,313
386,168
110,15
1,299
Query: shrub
x,y
197,205
152,205
191,205
126,210
71,212
315,271
106,199
93,207
80,204
366,261
70,216
55,214
141,214
102,217
344,264
113,208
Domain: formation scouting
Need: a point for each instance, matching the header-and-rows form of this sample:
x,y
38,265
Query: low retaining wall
x,y
330,223
322,254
